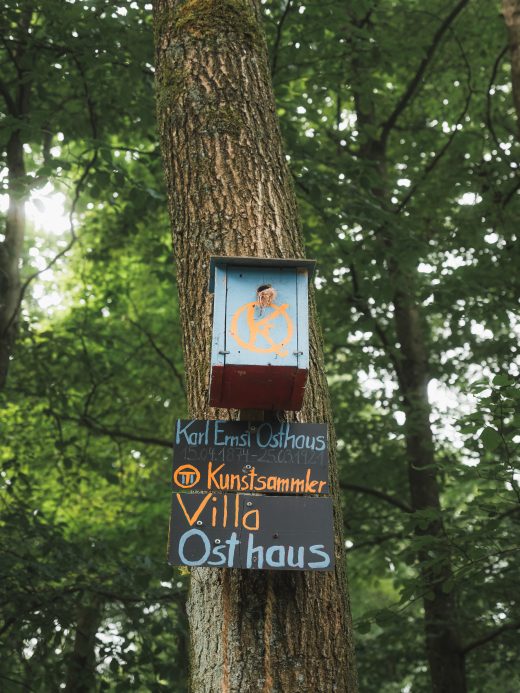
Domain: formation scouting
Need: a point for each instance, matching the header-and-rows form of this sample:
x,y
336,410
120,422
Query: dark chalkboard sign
x,y
254,532
237,456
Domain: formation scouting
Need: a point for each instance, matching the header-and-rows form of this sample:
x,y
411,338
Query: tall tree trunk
x,y
230,193
81,669
17,106
511,14
10,253
443,643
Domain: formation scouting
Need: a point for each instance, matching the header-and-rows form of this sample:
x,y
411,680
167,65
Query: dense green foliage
x,y
96,380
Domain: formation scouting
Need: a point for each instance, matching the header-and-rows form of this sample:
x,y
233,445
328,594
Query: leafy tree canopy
x,y
398,119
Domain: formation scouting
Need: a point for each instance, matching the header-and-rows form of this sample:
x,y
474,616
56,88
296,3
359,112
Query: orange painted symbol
x,y
261,327
186,476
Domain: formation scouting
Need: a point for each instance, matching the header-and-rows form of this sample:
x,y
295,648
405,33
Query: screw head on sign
x,y
199,522
275,536
217,541
248,466
249,504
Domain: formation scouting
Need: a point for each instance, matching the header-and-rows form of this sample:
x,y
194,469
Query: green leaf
x,y
38,204
490,438
364,627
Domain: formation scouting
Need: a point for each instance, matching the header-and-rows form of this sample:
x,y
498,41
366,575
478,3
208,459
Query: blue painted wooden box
x,y
260,354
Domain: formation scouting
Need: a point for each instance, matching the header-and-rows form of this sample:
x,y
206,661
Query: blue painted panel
x,y
218,341
255,336
302,291
243,261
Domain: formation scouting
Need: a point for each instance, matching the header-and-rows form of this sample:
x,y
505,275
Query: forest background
x,y
395,116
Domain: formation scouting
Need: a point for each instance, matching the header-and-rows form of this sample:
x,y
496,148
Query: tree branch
x,y
494,71
11,55
507,199
161,353
100,429
357,488
375,542
364,307
414,83
25,686
10,104
507,513
278,38
442,151
479,642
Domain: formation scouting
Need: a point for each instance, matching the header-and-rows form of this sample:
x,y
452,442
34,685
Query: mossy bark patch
x,y
225,119
225,19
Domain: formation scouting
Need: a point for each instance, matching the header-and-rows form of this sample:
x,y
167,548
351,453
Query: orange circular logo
x,y
261,328
186,476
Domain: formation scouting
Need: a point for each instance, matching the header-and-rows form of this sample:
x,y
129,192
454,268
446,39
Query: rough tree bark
x,y
230,193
